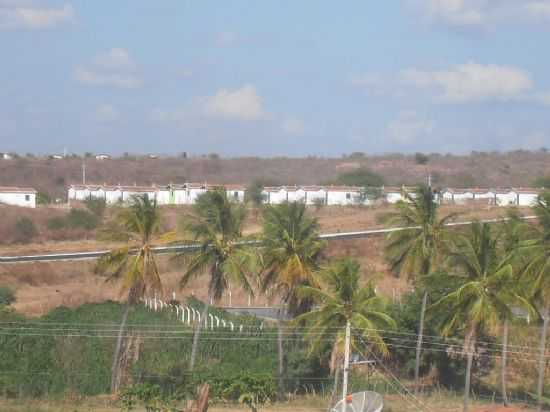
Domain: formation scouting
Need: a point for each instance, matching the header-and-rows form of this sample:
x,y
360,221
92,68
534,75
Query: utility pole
x,y
84,172
346,367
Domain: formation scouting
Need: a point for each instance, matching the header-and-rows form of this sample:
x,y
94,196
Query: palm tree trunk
x,y
470,354
197,333
503,367
419,344
280,378
115,368
542,359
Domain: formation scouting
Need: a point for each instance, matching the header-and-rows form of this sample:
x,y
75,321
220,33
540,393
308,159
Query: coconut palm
x,y
483,292
537,276
512,232
217,225
418,250
137,269
340,300
291,251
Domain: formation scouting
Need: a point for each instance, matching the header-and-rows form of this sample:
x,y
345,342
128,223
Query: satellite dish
x,y
366,401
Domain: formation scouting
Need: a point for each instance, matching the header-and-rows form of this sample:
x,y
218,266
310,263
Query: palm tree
x,y
217,226
419,250
483,293
340,300
138,270
537,276
290,256
512,233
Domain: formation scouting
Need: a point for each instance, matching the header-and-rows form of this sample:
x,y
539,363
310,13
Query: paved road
x,y
188,248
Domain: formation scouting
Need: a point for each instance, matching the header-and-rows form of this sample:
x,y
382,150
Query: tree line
x,y
472,280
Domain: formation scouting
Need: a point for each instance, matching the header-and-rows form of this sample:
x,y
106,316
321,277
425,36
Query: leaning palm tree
x,y
291,250
418,250
483,292
537,276
137,269
340,300
217,225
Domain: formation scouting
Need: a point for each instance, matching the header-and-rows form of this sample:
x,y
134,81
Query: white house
x,y
343,195
526,196
484,194
456,196
235,192
392,194
102,156
18,196
275,195
505,197
6,156
315,195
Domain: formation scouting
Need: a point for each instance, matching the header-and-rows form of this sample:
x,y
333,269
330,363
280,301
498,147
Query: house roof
x,y
528,190
12,189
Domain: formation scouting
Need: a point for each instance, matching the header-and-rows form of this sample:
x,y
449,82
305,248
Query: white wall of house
x,y
507,198
113,195
314,196
527,198
194,192
236,194
275,197
393,196
24,198
343,197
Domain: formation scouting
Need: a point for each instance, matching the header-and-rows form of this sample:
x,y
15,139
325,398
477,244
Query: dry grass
x,y
442,402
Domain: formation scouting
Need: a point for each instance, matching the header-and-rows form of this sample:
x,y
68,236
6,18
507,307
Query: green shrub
x,y
96,206
43,198
7,296
361,177
56,223
421,158
24,230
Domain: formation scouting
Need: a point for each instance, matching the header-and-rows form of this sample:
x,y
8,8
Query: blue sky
x,y
274,77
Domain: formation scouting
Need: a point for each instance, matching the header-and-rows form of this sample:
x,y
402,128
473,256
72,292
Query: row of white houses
x,y
18,196
186,194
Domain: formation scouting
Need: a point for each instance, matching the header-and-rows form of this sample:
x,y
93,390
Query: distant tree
x,y
7,296
88,154
60,181
361,177
42,198
96,206
29,155
421,158
25,230
254,193
213,156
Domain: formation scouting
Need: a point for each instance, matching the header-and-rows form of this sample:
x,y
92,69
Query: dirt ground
x,y
393,403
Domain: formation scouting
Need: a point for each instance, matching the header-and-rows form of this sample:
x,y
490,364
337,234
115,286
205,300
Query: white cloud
x,y
473,82
107,113
483,13
408,128
115,68
227,39
24,15
293,126
239,104
118,80
115,59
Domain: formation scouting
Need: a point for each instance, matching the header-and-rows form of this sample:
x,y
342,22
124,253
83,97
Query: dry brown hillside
x,y
518,168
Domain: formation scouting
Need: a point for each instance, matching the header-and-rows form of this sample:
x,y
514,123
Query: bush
x,y
421,158
81,219
24,230
56,223
43,198
7,296
542,181
96,206
361,177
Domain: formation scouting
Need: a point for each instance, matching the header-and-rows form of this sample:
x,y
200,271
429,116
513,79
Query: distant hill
x,y
517,168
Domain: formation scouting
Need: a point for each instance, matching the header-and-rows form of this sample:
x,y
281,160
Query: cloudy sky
x,y
281,77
